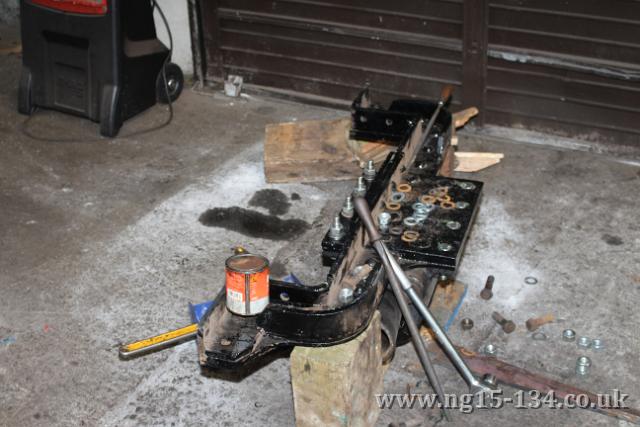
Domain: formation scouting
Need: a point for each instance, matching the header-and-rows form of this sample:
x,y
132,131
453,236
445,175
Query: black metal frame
x,y
300,315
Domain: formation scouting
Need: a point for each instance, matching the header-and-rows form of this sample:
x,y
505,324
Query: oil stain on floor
x,y
254,224
275,201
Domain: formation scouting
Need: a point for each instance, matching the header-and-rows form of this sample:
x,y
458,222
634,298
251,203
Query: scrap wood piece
x,y
309,151
474,162
521,378
460,118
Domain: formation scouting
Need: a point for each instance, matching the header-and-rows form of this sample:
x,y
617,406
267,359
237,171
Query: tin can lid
x,y
247,263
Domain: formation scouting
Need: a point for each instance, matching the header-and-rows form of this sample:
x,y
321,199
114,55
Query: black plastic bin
x,y
98,59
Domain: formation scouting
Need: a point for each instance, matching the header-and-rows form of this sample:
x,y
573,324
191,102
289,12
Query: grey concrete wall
x,y
9,11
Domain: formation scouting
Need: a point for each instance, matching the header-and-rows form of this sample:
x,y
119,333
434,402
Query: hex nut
x,y
583,363
569,335
597,344
584,342
490,350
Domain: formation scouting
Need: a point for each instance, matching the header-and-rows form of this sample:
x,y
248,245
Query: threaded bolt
x,y
337,230
347,208
361,188
369,171
487,292
507,325
384,220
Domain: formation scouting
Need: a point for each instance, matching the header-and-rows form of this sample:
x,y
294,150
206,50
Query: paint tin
x,y
247,284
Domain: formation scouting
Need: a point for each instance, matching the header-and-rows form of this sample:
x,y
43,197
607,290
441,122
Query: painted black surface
x,y
303,315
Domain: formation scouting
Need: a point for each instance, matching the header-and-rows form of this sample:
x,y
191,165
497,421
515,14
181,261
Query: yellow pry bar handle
x,y
158,342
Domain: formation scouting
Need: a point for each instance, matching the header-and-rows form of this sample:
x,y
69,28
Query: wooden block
x,y
336,386
309,151
474,162
366,150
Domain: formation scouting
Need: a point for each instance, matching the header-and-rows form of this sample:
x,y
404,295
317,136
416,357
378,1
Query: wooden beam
x,y
336,386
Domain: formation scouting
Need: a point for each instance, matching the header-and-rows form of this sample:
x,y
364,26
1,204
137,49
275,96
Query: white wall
x,y
8,11
177,14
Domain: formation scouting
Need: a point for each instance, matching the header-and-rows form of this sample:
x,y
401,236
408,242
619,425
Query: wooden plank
x,y
320,150
474,162
310,151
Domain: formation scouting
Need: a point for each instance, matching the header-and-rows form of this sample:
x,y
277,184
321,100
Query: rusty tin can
x,y
247,284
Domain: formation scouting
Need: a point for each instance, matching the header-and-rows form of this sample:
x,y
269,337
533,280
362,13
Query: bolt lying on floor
x,y
507,325
535,322
487,292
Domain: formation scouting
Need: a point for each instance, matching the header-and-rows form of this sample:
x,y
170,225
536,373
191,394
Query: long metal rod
x,y
418,342
431,321
394,270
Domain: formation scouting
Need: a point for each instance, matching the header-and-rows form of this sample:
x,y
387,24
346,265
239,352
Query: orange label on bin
x,y
258,291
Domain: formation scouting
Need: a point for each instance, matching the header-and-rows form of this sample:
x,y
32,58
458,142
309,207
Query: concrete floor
x,y
101,243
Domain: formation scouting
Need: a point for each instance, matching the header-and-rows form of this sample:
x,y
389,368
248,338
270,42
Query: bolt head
x,y
486,294
466,324
490,350
509,327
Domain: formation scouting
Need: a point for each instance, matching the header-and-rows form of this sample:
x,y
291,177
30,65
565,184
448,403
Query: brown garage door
x,y
570,66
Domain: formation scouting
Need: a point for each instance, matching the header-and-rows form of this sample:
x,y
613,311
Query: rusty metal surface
x,y
506,373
